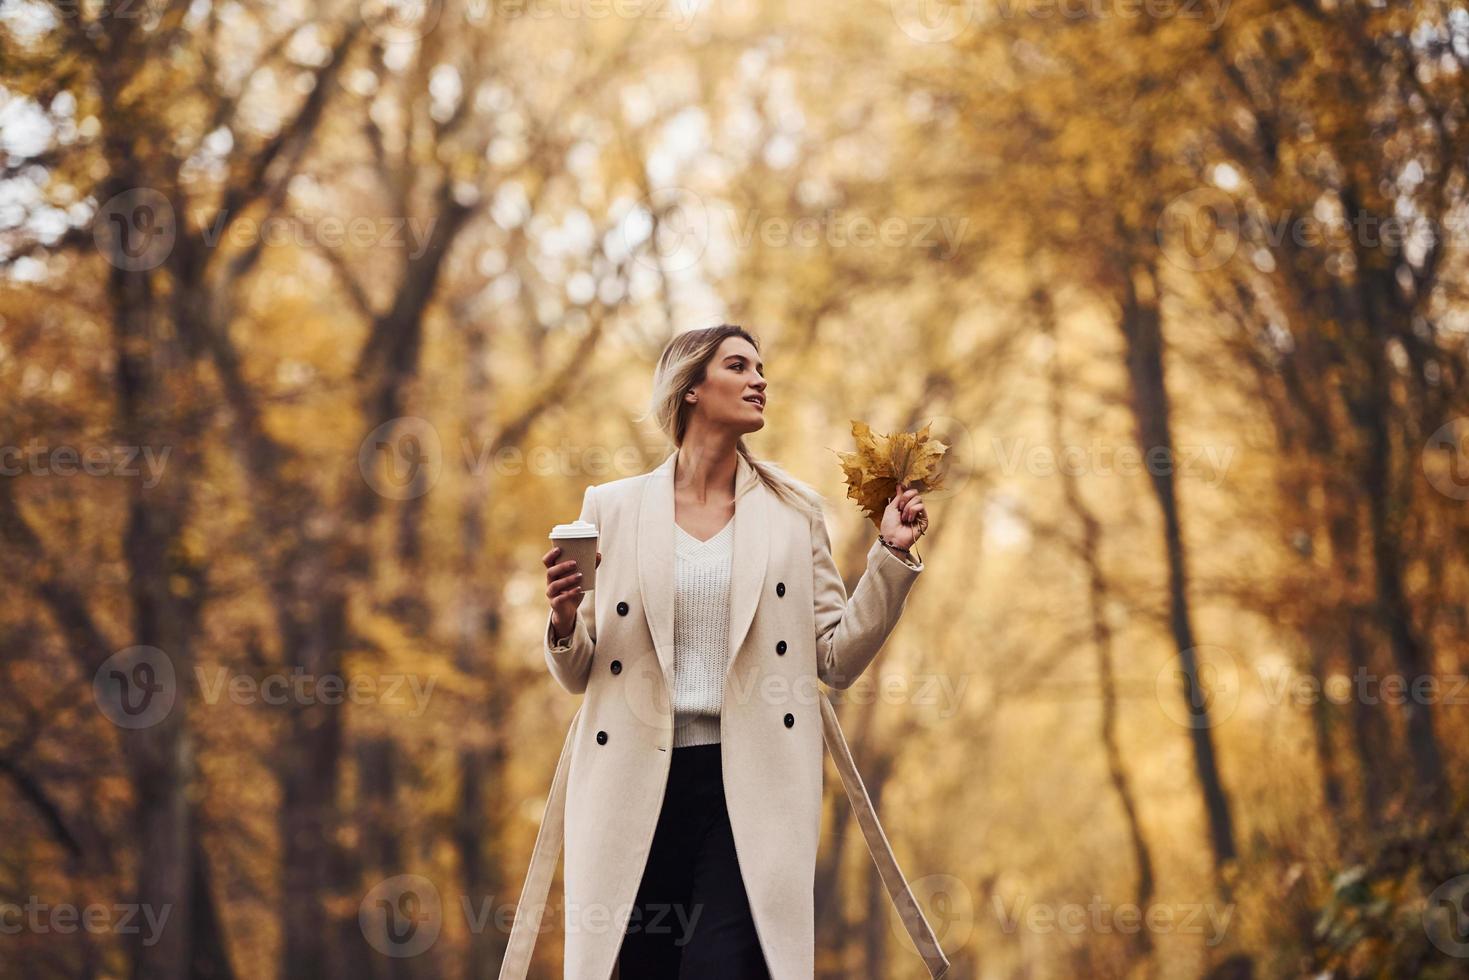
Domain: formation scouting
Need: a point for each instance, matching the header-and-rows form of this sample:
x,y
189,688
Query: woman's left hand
x,y
904,520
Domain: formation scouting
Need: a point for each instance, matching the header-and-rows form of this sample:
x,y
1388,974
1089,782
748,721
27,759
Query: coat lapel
x,y
656,557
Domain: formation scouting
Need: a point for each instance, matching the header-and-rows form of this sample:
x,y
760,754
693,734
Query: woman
x,y
689,786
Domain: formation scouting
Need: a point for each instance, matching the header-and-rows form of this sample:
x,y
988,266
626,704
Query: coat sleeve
x,y
850,632
570,659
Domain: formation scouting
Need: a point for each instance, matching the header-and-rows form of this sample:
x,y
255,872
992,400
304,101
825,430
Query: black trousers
x,y
691,920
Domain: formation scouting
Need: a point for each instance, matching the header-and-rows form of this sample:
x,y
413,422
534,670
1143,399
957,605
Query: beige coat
x,y
791,624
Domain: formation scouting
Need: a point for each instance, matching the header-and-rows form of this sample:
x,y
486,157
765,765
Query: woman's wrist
x,y
905,553
560,633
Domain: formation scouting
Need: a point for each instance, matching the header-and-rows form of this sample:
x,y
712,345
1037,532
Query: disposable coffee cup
x,y
578,542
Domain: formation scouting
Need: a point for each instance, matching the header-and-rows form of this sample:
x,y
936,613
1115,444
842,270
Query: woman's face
x,y
733,391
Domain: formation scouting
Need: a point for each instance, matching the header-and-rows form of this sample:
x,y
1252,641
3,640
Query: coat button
x,y
790,720
780,588
780,647
617,666
602,736
622,609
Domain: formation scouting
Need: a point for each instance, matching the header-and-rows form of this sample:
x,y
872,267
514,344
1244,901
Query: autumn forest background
x,y
314,318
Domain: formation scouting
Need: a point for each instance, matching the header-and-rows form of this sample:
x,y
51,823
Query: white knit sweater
x,y
700,633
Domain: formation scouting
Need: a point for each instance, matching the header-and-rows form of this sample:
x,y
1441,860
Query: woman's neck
x,y
704,470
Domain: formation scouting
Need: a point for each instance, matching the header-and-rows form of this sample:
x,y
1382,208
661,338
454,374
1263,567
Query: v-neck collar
x,y
727,525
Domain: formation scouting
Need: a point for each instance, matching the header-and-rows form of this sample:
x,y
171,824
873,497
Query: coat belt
x,y
532,906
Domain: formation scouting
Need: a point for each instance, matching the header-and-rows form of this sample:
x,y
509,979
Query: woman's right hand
x,y
563,588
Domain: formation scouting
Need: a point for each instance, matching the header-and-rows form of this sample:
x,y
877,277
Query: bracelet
x,y
894,547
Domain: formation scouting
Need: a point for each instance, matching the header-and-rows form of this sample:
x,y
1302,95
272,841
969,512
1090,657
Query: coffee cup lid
x,y
576,529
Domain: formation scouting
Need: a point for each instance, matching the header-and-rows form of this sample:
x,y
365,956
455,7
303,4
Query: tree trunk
x,y
1088,549
1142,331
159,755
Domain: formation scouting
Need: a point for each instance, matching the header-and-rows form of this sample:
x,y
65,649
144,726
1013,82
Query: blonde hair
x,y
683,364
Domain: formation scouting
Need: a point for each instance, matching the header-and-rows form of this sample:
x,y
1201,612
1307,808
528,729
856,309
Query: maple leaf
x,y
882,461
